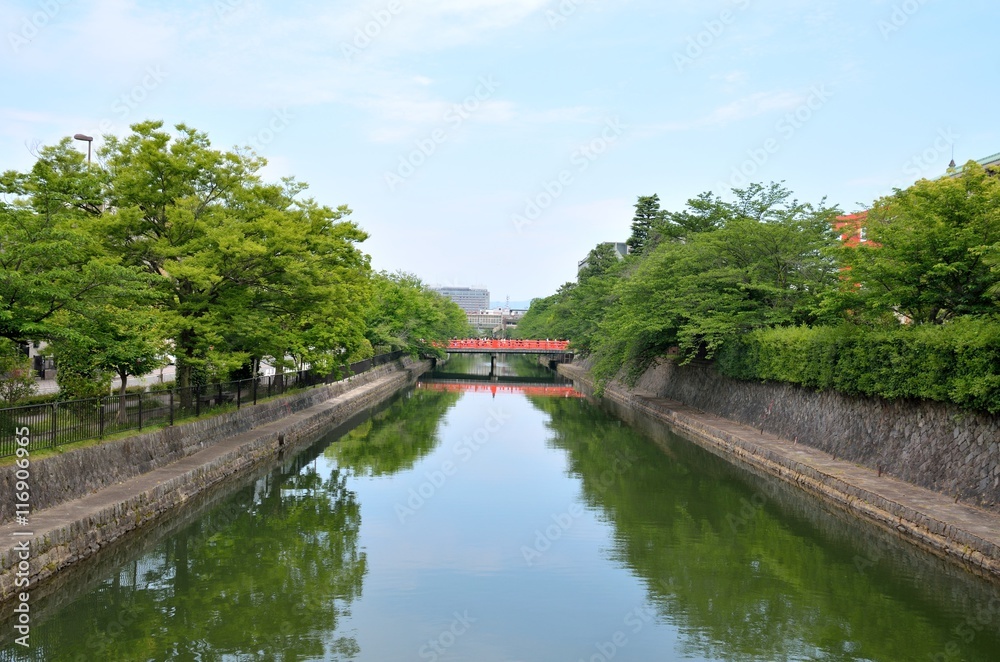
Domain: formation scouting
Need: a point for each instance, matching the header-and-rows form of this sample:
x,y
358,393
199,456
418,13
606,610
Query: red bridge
x,y
490,346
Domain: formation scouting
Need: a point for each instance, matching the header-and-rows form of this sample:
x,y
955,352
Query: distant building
x,y
621,248
469,299
851,228
990,162
41,362
486,320
497,321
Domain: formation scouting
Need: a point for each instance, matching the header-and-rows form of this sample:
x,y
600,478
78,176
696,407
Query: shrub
x,y
957,362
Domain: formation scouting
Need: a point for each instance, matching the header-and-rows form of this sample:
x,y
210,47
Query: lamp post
x,y
86,139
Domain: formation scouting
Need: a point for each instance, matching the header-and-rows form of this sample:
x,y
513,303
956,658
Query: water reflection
x,y
472,520
266,576
751,569
393,439
469,367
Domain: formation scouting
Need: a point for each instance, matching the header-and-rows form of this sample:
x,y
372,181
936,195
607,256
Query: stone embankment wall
x,y
122,485
77,472
929,444
764,442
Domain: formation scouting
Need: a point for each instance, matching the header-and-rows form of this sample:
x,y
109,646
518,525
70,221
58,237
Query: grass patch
x,y
42,453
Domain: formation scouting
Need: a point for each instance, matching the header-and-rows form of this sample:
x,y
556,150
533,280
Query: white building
x,y
469,299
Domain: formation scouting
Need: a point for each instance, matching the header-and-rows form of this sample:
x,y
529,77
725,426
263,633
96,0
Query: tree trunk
x,y
183,383
185,351
122,402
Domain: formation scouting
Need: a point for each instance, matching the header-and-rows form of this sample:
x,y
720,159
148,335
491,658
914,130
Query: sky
x,y
495,142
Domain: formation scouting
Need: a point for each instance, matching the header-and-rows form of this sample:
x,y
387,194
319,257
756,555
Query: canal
x,y
509,519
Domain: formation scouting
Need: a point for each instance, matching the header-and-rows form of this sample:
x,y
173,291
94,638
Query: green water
x,y
461,525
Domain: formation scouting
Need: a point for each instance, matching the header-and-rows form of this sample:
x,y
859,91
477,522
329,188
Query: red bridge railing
x,y
511,345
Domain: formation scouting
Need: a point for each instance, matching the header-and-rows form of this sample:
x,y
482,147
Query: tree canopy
x,y
168,245
930,251
404,314
743,273
53,267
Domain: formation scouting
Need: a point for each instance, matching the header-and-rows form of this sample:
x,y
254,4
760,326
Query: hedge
x,y
957,362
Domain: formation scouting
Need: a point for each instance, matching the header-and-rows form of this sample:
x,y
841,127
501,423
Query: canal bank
x,y
936,522
85,498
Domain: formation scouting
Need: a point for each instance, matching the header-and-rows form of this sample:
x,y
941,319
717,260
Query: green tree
x,y
16,380
928,254
78,376
704,213
403,314
109,342
231,253
53,267
765,265
647,216
575,312
601,259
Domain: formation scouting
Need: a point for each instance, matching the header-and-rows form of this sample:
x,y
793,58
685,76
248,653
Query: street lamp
x,y
86,139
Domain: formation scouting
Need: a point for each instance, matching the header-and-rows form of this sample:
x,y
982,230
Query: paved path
x,y
46,386
68,532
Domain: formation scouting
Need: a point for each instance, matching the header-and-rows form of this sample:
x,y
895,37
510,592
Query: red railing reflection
x,y
546,391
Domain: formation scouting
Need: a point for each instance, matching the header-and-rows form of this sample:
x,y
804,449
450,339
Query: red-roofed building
x,y
852,228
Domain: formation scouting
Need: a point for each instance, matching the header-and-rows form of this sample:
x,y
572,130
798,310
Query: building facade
x,y
991,163
495,322
851,228
469,299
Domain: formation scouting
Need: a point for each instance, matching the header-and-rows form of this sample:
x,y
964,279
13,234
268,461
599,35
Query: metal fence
x,y
56,423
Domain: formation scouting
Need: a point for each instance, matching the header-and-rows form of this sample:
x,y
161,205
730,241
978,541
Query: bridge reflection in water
x,y
494,387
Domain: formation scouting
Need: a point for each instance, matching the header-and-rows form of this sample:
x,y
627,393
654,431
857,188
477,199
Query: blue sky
x,y
494,142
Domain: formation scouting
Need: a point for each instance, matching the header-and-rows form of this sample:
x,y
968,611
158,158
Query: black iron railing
x,y
53,424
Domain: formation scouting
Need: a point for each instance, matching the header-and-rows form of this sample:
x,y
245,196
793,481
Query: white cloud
x,y
760,103
733,77
236,53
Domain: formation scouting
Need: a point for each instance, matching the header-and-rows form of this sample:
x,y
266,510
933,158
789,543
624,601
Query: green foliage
x,y
110,342
930,252
404,314
166,245
576,310
647,216
247,269
16,380
761,264
52,264
78,376
601,259
956,362
704,213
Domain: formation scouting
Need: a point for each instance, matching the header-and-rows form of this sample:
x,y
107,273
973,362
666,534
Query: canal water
x,y
509,519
